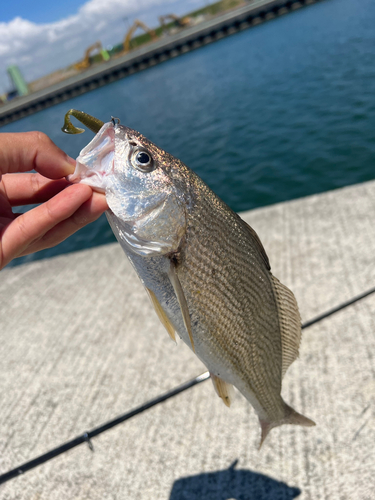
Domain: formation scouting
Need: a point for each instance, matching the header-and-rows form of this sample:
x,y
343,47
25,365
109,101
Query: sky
x,y
41,36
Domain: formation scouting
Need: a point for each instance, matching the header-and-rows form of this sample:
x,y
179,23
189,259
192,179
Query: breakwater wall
x,y
191,38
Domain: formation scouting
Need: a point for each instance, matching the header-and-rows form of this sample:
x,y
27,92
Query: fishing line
x,y
337,308
87,436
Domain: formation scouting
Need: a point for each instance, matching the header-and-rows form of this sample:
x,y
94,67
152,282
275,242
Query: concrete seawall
x,y
80,344
149,55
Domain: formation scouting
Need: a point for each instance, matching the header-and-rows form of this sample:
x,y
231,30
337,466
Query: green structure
x,y
105,55
18,80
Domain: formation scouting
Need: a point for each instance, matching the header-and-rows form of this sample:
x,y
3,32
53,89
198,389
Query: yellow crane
x,y
129,34
181,22
85,63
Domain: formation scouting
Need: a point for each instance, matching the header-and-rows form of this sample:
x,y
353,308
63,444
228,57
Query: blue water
x,y
276,112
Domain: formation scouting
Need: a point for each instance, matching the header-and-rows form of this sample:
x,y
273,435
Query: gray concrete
x,y
80,344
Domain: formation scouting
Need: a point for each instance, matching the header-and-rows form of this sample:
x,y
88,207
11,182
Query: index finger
x,y
26,189
25,151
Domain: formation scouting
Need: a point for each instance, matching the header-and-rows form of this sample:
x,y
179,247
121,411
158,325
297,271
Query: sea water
x,y
276,112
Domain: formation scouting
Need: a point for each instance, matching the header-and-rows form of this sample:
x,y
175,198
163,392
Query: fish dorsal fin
x,y
290,323
258,243
181,300
222,388
161,314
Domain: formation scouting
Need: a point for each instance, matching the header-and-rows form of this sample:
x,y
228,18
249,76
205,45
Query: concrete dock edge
x,y
80,344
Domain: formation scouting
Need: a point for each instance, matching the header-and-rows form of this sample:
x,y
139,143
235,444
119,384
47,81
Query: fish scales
x,y
205,270
243,331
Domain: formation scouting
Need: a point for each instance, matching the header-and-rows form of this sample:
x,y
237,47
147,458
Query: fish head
x,y
144,188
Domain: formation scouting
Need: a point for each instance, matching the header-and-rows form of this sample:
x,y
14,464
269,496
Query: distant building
x,y
18,80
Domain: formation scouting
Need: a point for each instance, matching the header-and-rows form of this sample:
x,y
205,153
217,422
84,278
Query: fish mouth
x,y
95,163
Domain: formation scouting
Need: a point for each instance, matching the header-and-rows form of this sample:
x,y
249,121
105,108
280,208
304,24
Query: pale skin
x,y
62,208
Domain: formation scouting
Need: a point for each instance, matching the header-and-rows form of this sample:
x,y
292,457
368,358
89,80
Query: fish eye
x,y
142,160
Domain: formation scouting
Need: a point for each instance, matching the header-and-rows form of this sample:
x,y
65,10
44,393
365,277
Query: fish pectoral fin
x,y
161,314
222,388
182,301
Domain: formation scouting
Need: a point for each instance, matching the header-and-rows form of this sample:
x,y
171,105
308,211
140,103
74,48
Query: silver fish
x,y
204,269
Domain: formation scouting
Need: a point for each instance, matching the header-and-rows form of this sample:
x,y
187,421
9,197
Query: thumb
x,y
22,152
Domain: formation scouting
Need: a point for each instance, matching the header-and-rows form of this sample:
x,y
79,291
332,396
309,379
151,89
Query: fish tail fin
x,y
291,416
265,429
295,418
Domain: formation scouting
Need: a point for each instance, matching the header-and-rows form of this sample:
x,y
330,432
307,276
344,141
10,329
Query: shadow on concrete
x,y
232,484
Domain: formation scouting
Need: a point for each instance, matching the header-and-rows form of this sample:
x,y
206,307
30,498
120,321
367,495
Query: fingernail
x,y
71,160
70,165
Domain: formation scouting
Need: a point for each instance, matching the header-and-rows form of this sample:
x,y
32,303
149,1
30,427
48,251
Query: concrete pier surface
x,y
81,344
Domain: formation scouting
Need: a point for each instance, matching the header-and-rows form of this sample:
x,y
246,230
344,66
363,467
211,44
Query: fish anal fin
x,y
161,314
290,323
222,388
182,301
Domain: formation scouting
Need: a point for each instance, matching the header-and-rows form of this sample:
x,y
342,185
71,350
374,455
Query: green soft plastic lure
x,y
90,121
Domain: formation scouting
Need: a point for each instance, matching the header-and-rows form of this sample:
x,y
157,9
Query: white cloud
x,y
39,49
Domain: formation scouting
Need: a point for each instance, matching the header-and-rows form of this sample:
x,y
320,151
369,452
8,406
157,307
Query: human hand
x,y
63,208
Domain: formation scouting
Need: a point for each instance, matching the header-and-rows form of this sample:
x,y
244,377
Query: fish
x,y
204,268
